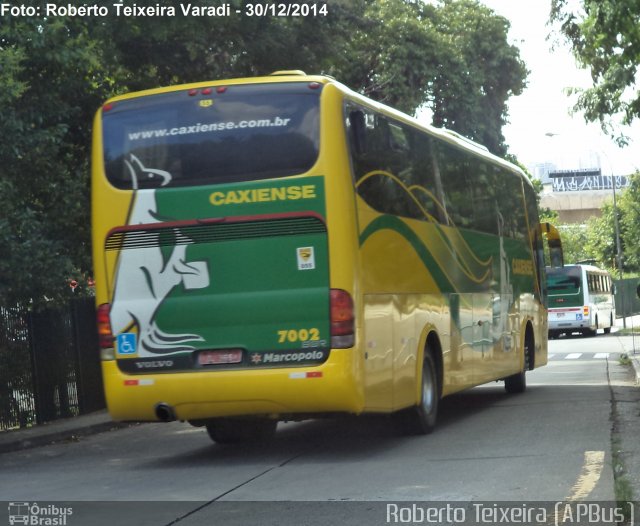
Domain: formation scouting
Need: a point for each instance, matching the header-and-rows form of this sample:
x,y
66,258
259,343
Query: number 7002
x,y
298,335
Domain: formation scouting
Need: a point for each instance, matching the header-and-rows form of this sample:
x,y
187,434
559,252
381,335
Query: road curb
x,y
38,436
635,362
628,344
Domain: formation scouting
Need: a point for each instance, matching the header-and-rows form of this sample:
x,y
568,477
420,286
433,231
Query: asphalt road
x,y
552,443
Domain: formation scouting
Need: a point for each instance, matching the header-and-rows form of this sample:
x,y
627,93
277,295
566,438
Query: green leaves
x,y
606,39
480,71
47,101
452,58
600,238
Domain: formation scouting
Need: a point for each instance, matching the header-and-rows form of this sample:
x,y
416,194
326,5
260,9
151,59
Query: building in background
x,y
578,194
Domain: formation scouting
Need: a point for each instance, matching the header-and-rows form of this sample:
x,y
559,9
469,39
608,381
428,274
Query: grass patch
x,y
621,484
628,332
624,359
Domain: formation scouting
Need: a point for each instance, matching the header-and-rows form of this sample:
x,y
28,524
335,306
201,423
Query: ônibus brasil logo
x,y
34,514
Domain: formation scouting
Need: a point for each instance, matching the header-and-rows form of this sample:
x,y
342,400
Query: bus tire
x,y
607,330
421,418
517,383
241,430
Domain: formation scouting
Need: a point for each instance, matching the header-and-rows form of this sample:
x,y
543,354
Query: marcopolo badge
x,y
306,258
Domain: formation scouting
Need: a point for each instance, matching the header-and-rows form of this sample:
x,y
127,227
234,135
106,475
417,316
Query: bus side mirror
x,y
357,129
556,253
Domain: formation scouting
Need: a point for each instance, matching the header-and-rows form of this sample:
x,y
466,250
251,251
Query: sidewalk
x,y
632,322
66,429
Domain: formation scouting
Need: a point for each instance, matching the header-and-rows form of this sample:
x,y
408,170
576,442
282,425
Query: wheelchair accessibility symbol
x,y
126,343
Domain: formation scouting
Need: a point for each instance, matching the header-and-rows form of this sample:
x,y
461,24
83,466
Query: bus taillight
x,y
105,336
586,311
342,319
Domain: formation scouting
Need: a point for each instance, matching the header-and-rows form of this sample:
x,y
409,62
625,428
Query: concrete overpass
x,y
576,207
578,195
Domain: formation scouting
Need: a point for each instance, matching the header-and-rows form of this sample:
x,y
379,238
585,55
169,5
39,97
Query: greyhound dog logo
x,y
145,276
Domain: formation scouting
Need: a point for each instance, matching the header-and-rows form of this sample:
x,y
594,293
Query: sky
x,y
544,108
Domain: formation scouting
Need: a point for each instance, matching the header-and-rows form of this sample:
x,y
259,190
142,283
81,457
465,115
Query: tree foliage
x,y
451,56
630,224
478,72
50,89
605,38
601,237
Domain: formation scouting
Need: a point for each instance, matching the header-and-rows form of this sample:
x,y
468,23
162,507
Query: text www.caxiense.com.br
x,y
276,122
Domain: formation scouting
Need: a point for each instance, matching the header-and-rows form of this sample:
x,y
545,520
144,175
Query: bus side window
x,y
424,177
454,164
357,131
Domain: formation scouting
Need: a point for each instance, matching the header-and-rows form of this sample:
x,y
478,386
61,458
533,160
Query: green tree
x,y
601,240
601,237
394,54
605,38
478,72
160,51
451,57
629,205
50,89
574,239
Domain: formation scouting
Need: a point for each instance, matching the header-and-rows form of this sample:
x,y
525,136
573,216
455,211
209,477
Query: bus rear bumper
x,y
568,319
278,393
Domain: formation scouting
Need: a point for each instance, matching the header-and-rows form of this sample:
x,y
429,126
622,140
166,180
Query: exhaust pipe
x,y
165,412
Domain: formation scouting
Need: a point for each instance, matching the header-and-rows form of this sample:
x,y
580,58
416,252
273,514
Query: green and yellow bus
x,y
282,248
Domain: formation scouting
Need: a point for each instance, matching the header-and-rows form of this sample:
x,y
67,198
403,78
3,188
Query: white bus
x,y
580,300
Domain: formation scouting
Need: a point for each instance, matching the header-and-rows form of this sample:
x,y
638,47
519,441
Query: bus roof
x,y
590,268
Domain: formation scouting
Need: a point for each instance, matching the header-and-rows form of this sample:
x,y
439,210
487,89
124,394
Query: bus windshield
x,y
194,137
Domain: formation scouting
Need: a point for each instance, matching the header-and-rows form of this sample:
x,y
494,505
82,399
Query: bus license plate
x,y
220,357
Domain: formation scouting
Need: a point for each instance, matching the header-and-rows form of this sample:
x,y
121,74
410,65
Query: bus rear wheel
x,y
421,418
517,383
241,430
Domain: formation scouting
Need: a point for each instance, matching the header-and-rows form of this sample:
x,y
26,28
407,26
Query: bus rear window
x,y
564,281
243,133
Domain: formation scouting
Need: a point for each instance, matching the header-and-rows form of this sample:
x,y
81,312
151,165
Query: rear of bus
x,y
568,307
581,299
225,252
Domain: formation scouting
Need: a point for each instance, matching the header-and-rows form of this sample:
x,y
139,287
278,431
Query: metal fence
x,y
49,364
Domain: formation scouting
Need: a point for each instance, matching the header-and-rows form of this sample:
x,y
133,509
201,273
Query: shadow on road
x,y
348,437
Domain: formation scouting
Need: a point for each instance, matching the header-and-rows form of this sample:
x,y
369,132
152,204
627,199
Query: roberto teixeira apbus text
x,y
491,513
